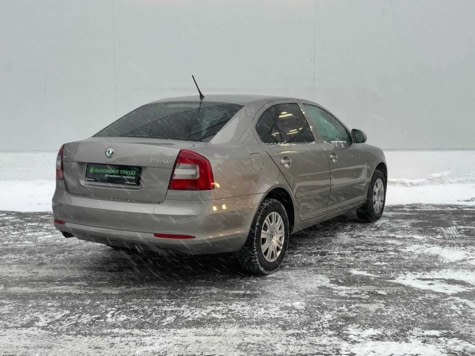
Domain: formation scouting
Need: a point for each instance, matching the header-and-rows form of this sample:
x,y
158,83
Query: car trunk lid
x,y
124,169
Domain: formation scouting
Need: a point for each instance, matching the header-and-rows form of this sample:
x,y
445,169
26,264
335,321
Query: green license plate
x,y
113,174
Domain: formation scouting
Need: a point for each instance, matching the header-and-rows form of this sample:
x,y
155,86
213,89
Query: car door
x,y
289,141
348,166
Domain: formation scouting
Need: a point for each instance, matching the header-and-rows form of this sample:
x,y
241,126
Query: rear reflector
x,y
60,222
173,236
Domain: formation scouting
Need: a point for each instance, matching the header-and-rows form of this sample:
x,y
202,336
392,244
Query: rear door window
x,y
190,121
284,123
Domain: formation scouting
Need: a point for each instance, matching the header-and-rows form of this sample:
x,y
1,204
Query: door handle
x,y
334,157
286,162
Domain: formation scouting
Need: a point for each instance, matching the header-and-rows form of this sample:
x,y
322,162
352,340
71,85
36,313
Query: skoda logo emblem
x,y
109,152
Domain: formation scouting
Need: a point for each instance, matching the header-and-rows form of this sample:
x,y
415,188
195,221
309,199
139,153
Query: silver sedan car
x,y
225,173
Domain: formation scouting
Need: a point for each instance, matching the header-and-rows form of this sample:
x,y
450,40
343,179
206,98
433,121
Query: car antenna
x,y
197,87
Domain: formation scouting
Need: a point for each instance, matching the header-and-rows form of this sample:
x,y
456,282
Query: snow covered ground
x,y
403,286
415,177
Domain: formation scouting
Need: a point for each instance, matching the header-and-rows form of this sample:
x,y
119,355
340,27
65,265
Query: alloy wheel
x,y
272,236
378,195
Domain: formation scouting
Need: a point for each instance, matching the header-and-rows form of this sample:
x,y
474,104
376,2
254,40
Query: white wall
x,y
403,71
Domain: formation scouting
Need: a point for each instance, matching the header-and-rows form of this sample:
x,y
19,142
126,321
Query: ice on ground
x,y
444,281
362,273
415,177
450,254
414,347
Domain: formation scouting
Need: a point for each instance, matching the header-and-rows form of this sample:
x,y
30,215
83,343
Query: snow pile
x,y
415,177
33,195
431,177
27,180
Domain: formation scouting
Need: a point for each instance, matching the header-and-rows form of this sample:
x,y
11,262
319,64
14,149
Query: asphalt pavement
x,y
404,285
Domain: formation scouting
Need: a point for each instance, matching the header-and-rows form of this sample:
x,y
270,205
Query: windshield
x,y
190,121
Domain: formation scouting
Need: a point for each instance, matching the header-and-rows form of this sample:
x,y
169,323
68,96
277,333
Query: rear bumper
x,y
217,226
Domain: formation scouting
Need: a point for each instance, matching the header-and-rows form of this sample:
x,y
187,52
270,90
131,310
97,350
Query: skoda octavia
x,y
218,174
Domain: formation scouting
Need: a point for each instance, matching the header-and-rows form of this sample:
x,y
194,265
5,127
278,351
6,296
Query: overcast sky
x,y
403,71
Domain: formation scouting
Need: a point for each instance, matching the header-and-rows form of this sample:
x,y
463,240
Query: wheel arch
x,y
285,199
383,168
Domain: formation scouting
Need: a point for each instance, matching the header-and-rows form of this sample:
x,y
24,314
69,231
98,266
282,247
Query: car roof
x,y
229,98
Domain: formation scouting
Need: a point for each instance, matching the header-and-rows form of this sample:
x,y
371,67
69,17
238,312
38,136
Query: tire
x,y
373,209
267,241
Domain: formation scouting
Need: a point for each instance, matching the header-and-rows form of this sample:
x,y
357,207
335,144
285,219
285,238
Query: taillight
x,y
59,164
192,171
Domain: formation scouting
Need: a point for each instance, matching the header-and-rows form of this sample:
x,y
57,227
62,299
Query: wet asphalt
x,y
404,285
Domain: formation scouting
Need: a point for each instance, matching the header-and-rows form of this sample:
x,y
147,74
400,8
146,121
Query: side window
x,y
284,123
328,127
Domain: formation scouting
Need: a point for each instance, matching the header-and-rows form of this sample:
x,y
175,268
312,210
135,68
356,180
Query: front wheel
x,y
373,209
267,241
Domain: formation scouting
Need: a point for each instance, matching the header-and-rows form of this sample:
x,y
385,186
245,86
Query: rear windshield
x,y
190,121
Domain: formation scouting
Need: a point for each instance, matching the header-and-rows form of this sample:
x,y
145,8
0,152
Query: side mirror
x,y
358,136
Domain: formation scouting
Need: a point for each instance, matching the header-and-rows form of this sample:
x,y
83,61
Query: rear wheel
x,y
267,241
374,206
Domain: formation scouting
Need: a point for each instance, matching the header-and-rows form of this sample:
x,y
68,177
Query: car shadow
x,y
147,265
151,266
